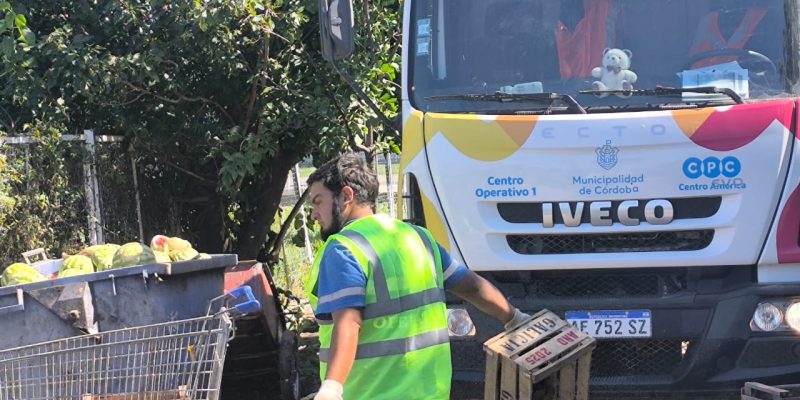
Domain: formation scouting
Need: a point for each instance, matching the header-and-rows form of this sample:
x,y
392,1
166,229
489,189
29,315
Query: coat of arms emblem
x,y
607,155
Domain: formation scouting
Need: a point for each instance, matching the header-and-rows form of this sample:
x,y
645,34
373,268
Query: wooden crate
x,y
543,357
758,391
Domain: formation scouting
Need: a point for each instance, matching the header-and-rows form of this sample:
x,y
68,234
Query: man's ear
x,y
348,195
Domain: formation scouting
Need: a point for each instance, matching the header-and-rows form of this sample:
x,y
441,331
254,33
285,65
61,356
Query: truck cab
x,y
660,212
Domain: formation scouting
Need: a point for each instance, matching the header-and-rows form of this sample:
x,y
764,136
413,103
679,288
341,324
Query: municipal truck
x,y
628,164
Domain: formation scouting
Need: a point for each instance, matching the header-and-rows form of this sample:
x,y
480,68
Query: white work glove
x,y
330,390
517,319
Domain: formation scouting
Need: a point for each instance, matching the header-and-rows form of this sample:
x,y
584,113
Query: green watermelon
x,y
131,254
103,257
185,254
20,273
76,265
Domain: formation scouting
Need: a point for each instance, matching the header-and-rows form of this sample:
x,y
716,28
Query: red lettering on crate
x,y
568,338
538,355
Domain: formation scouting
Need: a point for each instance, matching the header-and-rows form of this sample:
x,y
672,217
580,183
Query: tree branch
x,y
181,98
205,181
350,135
263,70
275,243
10,124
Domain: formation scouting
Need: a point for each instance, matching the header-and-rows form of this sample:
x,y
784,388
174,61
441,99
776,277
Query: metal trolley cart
x,y
179,360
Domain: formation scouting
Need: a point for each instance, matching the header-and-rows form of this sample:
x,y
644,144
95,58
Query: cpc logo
x,y
712,167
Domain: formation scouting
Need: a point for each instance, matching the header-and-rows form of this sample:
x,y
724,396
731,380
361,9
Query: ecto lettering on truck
x,y
601,213
505,187
586,132
723,174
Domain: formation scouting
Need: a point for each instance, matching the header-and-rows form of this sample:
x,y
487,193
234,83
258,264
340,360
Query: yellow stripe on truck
x,y
498,137
691,120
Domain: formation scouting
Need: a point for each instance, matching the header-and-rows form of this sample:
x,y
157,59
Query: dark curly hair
x,y
349,169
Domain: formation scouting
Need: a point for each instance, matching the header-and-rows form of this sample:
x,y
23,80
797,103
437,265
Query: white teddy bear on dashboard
x,y
614,74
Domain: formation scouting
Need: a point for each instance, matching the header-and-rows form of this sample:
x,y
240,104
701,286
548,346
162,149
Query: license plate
x,y
612,324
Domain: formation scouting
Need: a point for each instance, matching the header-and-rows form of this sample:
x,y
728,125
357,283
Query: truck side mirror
x,y
336,29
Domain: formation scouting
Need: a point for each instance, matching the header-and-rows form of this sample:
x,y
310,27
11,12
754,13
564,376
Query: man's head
x,y
341,190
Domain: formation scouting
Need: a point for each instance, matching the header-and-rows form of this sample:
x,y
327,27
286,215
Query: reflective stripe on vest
x,y
708,36
384,305
395,346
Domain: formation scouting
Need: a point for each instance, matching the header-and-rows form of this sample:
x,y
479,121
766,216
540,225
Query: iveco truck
x,y
658,213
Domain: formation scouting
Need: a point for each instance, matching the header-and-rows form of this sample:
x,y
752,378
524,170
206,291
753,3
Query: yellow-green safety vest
x,y
403,345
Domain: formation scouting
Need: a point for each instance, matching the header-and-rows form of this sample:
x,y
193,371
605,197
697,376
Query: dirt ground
x,y
308,363
307,358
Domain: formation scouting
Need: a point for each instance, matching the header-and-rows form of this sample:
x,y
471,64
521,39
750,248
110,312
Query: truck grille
x,y
603,286
611,242
629,357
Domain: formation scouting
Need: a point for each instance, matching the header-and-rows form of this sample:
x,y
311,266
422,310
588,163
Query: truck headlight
x,y
767,317
792,316
459,323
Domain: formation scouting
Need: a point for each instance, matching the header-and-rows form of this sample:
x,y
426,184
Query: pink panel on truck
x,y
725,131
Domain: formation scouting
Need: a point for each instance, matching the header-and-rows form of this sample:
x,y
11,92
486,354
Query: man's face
x,y
326,209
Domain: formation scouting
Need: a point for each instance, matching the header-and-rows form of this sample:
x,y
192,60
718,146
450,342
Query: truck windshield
x,y
596,50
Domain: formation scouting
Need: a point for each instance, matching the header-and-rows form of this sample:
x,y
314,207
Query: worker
x,y
738,25
377,290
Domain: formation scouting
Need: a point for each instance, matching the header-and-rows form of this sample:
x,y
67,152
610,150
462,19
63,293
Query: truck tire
x,y
287,366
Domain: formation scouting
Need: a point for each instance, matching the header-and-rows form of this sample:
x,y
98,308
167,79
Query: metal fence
x,y
298,249
113,198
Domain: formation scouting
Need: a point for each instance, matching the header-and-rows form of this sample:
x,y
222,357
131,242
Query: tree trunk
x,y
208,226
257,221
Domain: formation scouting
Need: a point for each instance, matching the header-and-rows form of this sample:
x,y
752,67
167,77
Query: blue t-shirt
x,y
342,283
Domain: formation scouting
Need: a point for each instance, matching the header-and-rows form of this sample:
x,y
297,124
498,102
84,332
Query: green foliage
x,y
217,99
41,200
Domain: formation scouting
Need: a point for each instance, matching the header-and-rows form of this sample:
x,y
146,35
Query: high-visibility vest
x,y
709,38
581,50
403,346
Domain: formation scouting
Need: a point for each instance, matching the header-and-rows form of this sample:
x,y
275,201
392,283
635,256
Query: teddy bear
x,y
614,74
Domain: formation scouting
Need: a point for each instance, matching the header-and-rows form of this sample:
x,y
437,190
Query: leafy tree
x,y
217,99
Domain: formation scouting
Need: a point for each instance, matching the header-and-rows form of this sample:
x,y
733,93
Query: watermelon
x,y
76,265
102,255
20,273
184,254
131,254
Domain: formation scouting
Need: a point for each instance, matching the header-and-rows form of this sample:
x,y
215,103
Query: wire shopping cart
x,y
179,360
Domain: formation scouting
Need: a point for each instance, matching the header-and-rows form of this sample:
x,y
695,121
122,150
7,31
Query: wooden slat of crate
x,y
509,379
554,349
501,372
509,344
492,376
566,380
572,372
584,366
528,360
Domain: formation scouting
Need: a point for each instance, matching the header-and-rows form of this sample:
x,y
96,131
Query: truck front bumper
x,y
701,341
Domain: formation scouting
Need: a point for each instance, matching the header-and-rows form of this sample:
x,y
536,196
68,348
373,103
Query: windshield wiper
x,y
670,91
547,98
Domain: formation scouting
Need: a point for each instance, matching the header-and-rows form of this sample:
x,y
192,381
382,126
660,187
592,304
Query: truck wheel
x,y
287,366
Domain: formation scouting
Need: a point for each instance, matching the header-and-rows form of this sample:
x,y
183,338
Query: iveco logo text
x,y
712,167
602,213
